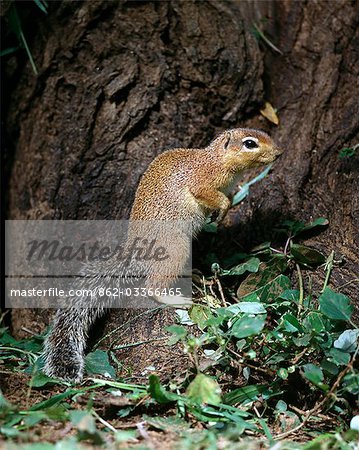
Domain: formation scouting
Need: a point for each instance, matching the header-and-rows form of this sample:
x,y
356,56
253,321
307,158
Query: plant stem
x,y
266,40
319,405
356,280
221,292
32,62
104,422
136,344
286,245
329,268
301,289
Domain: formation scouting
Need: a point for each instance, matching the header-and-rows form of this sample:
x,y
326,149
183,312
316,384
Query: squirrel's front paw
x,y
64,363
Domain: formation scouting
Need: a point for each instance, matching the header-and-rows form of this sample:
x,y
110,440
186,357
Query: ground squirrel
x,y
180,184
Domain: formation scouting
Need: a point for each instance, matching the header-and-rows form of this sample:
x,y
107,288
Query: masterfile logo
x,y
54,263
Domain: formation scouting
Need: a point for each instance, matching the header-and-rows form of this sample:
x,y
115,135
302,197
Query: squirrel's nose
x,y
278,151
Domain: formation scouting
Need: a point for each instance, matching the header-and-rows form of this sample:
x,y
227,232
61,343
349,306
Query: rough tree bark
x,y
122,81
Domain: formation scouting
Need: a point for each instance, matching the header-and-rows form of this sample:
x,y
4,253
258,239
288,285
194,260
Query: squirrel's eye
x,y
250,143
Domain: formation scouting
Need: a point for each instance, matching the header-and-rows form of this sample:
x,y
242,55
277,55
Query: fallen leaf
x,y
269,113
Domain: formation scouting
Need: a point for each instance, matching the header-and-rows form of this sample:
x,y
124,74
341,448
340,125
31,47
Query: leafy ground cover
x,y
272,366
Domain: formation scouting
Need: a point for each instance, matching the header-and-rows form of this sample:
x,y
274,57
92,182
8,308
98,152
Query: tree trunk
x,y
119,82
314,85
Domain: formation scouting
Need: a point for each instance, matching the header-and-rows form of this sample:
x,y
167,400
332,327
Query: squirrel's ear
x,y
227,140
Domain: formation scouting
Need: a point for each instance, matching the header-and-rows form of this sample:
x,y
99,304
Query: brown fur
x,y
180,184
190,183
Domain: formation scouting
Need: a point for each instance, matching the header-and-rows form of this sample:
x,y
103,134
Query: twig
x,y
29,331
221,292
275,250
103,421
257,412
127,323
212,291
297,358
136,344
297,410
356,280
319,405
286,245
251,366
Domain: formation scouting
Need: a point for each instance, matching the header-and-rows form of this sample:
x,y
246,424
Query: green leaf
x,y
329,367
14,22
83,420
315,375
159,393
314,322
267,272
291,295
283,373
270,291
306,255
15,25
9,50
200,314
137,389
214,414
296,227
183,317
347,341
245,393
41,5
302,341
338,357
293,226
247,307
335,306
211,227
40,379
10,432
34,418
320,222
97,362
86,426
261,247
248,326
351,383
244,191
281,406
251,265
204,390
234,259
54,400
291,323
5,406
178,332
347,152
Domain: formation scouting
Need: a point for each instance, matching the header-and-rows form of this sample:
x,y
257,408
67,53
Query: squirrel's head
x,y
243,148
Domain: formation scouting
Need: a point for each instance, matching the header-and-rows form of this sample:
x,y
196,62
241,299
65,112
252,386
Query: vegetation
x,y
271,350
270,361
14,27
